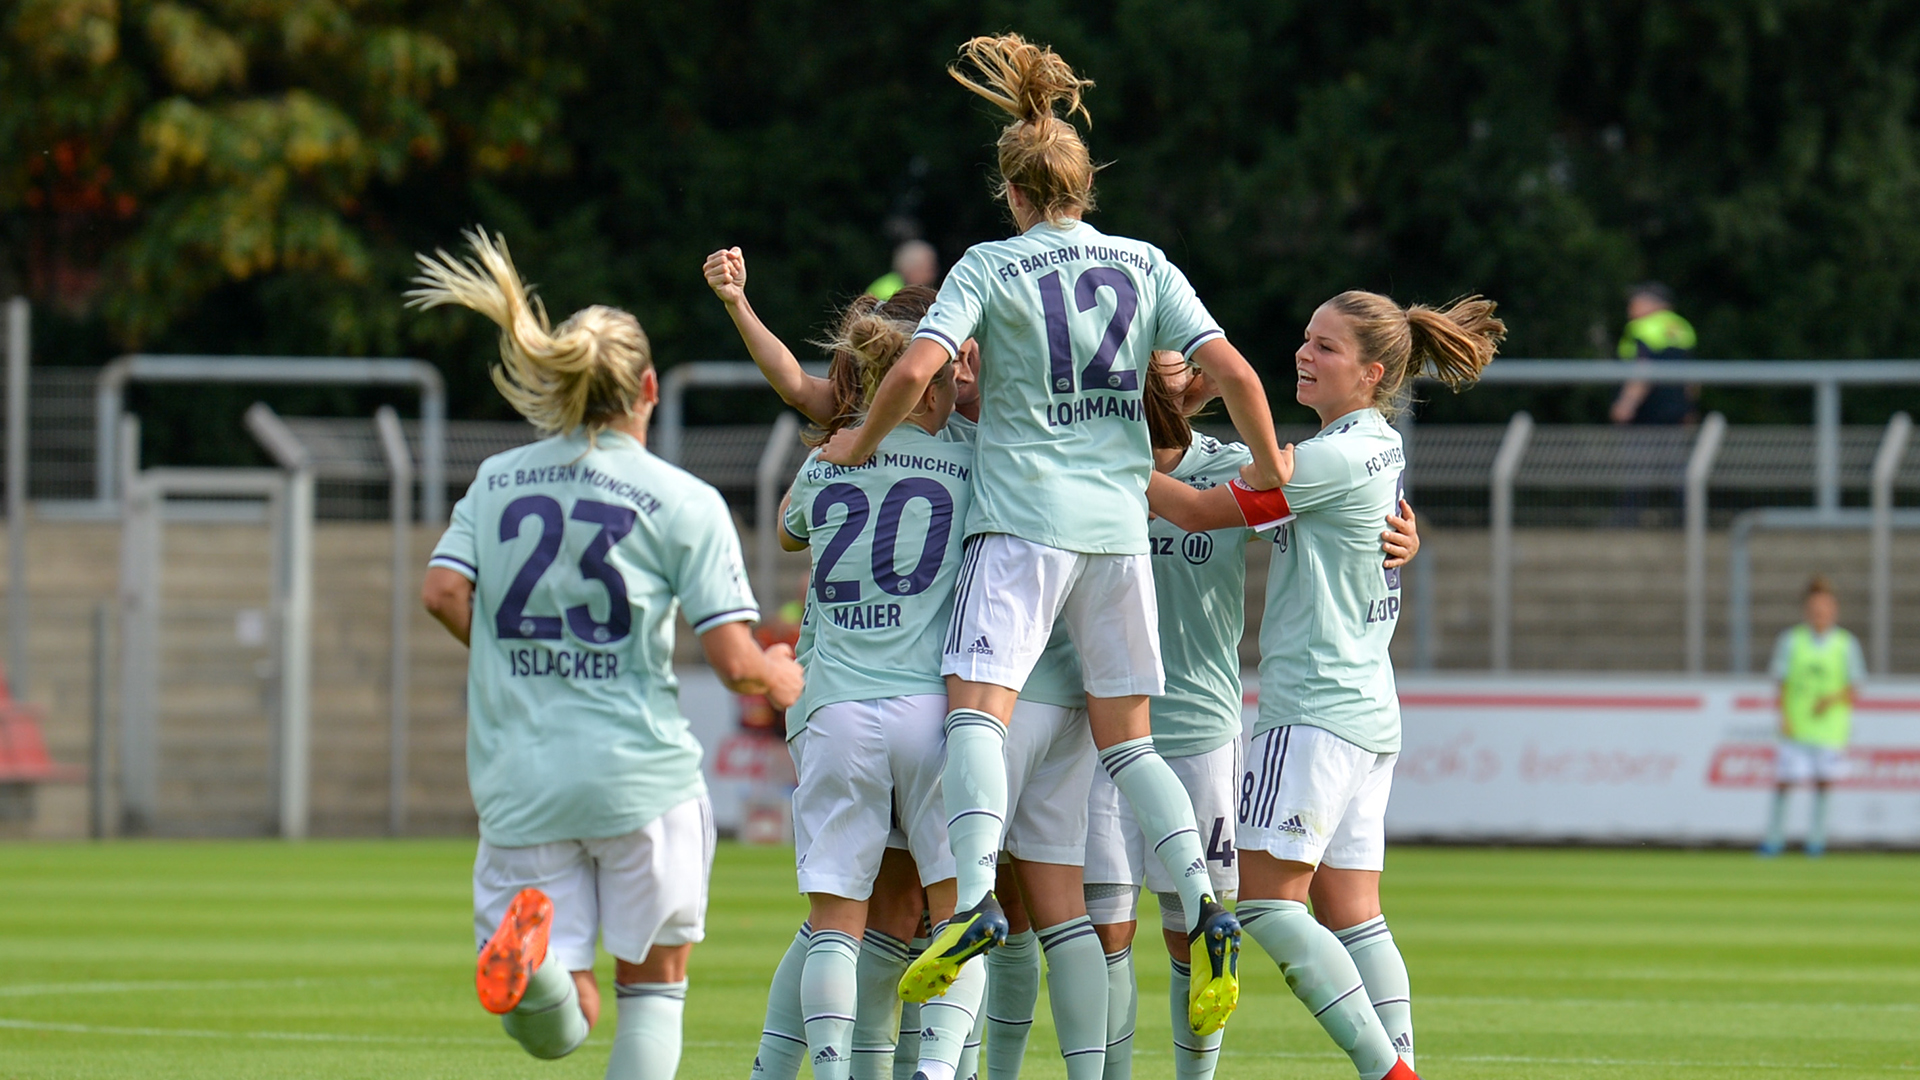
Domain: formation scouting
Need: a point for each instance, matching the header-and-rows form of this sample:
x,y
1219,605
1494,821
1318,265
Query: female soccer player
x,y
1065,317
1313,796
562,570
1200,581
1049,759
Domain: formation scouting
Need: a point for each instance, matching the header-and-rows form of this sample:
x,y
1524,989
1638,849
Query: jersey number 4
x,y
512,620
886,537
1099,373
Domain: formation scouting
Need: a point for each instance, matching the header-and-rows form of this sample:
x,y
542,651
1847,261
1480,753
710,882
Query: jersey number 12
x,y
1099,373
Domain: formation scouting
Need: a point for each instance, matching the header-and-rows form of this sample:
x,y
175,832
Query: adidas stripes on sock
x,y
548,1022
1777,821
829,992
1165,813
1381,968
946,1023
783,1038
1194,1056
646,1043
1123,1003
906,1050
1817,824
876,1017
1077,988
1323,977
975,780
1013,988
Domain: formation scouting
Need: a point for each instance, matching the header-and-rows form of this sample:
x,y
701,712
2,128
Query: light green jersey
x,y
1201,581
885,540
1810,667
1056,678
1331,606
579,559
1066,318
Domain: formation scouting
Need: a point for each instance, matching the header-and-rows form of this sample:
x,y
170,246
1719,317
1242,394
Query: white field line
x,y
1695,1003
135,987
10,1024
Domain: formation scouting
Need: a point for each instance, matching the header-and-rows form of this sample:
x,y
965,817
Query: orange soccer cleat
x,y
514,952
1401,1071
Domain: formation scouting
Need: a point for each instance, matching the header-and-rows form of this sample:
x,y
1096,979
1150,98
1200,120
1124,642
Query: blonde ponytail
x,y
1040,153
1452,344
586,372
870,337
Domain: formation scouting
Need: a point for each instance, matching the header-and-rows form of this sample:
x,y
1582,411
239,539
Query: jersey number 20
x,y
512,620
886,536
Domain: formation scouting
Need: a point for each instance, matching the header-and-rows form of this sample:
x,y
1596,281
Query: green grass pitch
x,y
352,959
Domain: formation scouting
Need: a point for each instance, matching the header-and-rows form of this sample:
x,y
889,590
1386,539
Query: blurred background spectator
x,y
914,263
1654,332
1819,667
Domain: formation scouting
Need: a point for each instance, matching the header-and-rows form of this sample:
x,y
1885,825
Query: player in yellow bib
x,y
1819,668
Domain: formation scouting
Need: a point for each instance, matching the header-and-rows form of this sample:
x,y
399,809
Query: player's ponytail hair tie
x,y
868,338
1040,152
585,372
1451,343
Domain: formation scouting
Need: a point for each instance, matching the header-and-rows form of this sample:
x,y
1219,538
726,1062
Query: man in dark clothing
x,y
1654,332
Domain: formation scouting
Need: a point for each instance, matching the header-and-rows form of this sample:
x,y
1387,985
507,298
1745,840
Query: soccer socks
x,y
1077,987
829,992
1165,813
548,1022
975,780
876,1017
1817,824
1776,840
946,1023
1378,960
783,1038
646,1044
906,1051
969,1067
1323,977
1123,1003
1194,1056
1013,988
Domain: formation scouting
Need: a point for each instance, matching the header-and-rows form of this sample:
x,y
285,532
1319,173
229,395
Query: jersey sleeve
x,y
1782,656
458,549
1181,322
956,311
709,575
799,499
1322,476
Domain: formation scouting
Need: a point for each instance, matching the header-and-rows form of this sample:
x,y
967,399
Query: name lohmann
x,y
565,663
1091,408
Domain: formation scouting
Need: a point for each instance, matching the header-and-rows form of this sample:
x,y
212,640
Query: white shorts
x,y
1805,763
861,764
1117,850
1010,593
1308,795
1050,763
636,891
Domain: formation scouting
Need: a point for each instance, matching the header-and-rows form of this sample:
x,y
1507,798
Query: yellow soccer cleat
x,y
1213,987
963,937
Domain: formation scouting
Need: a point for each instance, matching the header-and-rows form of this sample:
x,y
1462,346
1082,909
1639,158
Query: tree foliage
x,y
252,175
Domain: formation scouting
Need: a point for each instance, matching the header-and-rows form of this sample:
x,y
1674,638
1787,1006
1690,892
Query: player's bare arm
x,y
726,273
744,668
1246,402
449,598
906,383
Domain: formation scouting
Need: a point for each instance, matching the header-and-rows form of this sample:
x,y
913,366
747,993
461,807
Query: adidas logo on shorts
x,y
1292,825
980,646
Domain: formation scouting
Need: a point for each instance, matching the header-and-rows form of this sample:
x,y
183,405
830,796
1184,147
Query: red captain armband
x,y
1262,509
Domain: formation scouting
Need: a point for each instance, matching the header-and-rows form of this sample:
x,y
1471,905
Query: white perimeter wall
x,y
1612,758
